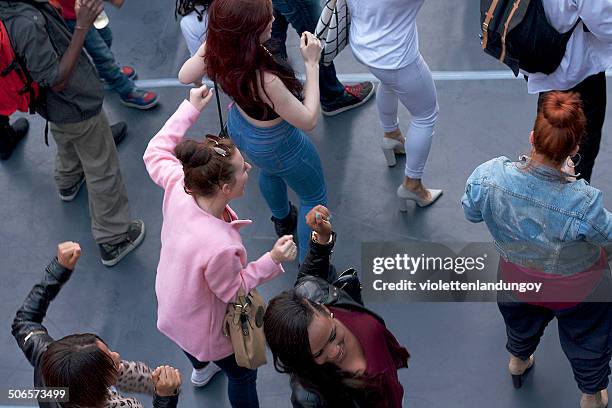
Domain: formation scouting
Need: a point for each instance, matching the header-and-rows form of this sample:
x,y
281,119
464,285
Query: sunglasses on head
x,y
220,149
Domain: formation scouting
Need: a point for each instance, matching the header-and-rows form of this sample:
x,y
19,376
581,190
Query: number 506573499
x,y
39,393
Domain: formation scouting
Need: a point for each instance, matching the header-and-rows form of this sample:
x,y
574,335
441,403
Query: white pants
x,y
414,87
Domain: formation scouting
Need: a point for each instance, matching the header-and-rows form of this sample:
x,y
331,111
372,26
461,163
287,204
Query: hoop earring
x,y
571,160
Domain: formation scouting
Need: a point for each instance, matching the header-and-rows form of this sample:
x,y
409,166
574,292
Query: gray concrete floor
x,y
458,354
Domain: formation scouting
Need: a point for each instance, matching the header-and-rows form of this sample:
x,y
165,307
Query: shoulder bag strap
x,y
223,131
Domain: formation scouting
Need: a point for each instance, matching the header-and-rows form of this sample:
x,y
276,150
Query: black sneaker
x,y
287,225
119,131
68,194
354,96
112,253
11,135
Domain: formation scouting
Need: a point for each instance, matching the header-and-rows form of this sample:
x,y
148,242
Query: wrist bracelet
x,y
315,238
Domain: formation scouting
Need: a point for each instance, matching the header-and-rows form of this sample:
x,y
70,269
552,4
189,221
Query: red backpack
x,y
17,89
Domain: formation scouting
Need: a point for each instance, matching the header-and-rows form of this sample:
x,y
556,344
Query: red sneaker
x,y
129,72
139,99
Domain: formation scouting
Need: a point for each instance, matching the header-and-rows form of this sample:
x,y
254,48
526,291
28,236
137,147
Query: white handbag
x,y
333,29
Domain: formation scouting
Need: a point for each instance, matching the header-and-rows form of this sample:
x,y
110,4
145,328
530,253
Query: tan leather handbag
x,y
244,325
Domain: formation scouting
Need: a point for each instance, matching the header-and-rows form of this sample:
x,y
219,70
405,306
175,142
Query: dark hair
x,y
234,57
205,169
559,125
184,7
78,363
286,324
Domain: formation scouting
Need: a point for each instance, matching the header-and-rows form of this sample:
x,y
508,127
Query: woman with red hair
x,y
271,110
551,228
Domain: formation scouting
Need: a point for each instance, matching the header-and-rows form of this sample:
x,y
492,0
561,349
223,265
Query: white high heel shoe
x,y
390,148
407,195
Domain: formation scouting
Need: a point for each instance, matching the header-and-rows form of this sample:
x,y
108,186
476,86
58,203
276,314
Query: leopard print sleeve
x,y
135,377
116,400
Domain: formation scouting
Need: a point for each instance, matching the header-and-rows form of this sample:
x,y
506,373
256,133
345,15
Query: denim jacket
x,y
538,218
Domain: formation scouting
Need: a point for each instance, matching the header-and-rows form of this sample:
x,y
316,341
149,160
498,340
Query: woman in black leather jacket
x,y
337,352
83,363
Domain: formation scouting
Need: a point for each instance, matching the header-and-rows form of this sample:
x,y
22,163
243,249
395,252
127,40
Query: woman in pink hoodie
x,y
203,263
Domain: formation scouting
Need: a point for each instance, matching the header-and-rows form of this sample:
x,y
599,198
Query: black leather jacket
x,y
314,282
32,336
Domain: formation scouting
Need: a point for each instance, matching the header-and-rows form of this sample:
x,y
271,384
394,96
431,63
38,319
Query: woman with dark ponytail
x,y
203,264
552,229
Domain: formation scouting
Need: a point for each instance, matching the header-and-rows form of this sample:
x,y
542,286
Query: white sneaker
x,y
201,377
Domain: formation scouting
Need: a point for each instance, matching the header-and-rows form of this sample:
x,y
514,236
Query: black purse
x,y
223,133
349,282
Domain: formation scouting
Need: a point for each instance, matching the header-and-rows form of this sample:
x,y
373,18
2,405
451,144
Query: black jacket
x,y
315,282
32,336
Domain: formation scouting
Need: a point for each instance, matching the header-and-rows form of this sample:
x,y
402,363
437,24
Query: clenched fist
x,y
68,254
199,97
284,250
167,381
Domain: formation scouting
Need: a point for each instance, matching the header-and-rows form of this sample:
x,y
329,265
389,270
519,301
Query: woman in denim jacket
x,y
550,227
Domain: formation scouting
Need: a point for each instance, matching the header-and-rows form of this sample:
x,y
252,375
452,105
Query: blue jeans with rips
x,y
303,15
97,44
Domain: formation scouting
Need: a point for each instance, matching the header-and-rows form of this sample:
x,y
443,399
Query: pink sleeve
x,y
225,273
159,159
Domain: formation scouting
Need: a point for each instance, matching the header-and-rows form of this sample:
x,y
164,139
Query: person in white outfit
x,y
587,56
384,37
194,22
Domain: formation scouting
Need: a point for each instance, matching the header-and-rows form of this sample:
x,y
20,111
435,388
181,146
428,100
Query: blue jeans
x,y
241,382
285,156
303,15
97,44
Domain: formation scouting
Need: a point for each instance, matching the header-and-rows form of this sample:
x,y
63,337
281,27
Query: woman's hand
x,y
284,250
199,97
318,220
68,253
166,380
194,68
310,47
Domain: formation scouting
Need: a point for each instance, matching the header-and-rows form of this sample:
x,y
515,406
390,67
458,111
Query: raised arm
x,y
86,12
27,327
303,115
318,260
163,383
193,69
225,273
159,158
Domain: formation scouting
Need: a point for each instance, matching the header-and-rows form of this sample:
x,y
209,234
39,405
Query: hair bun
x,y
561,109
559,125
190,153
